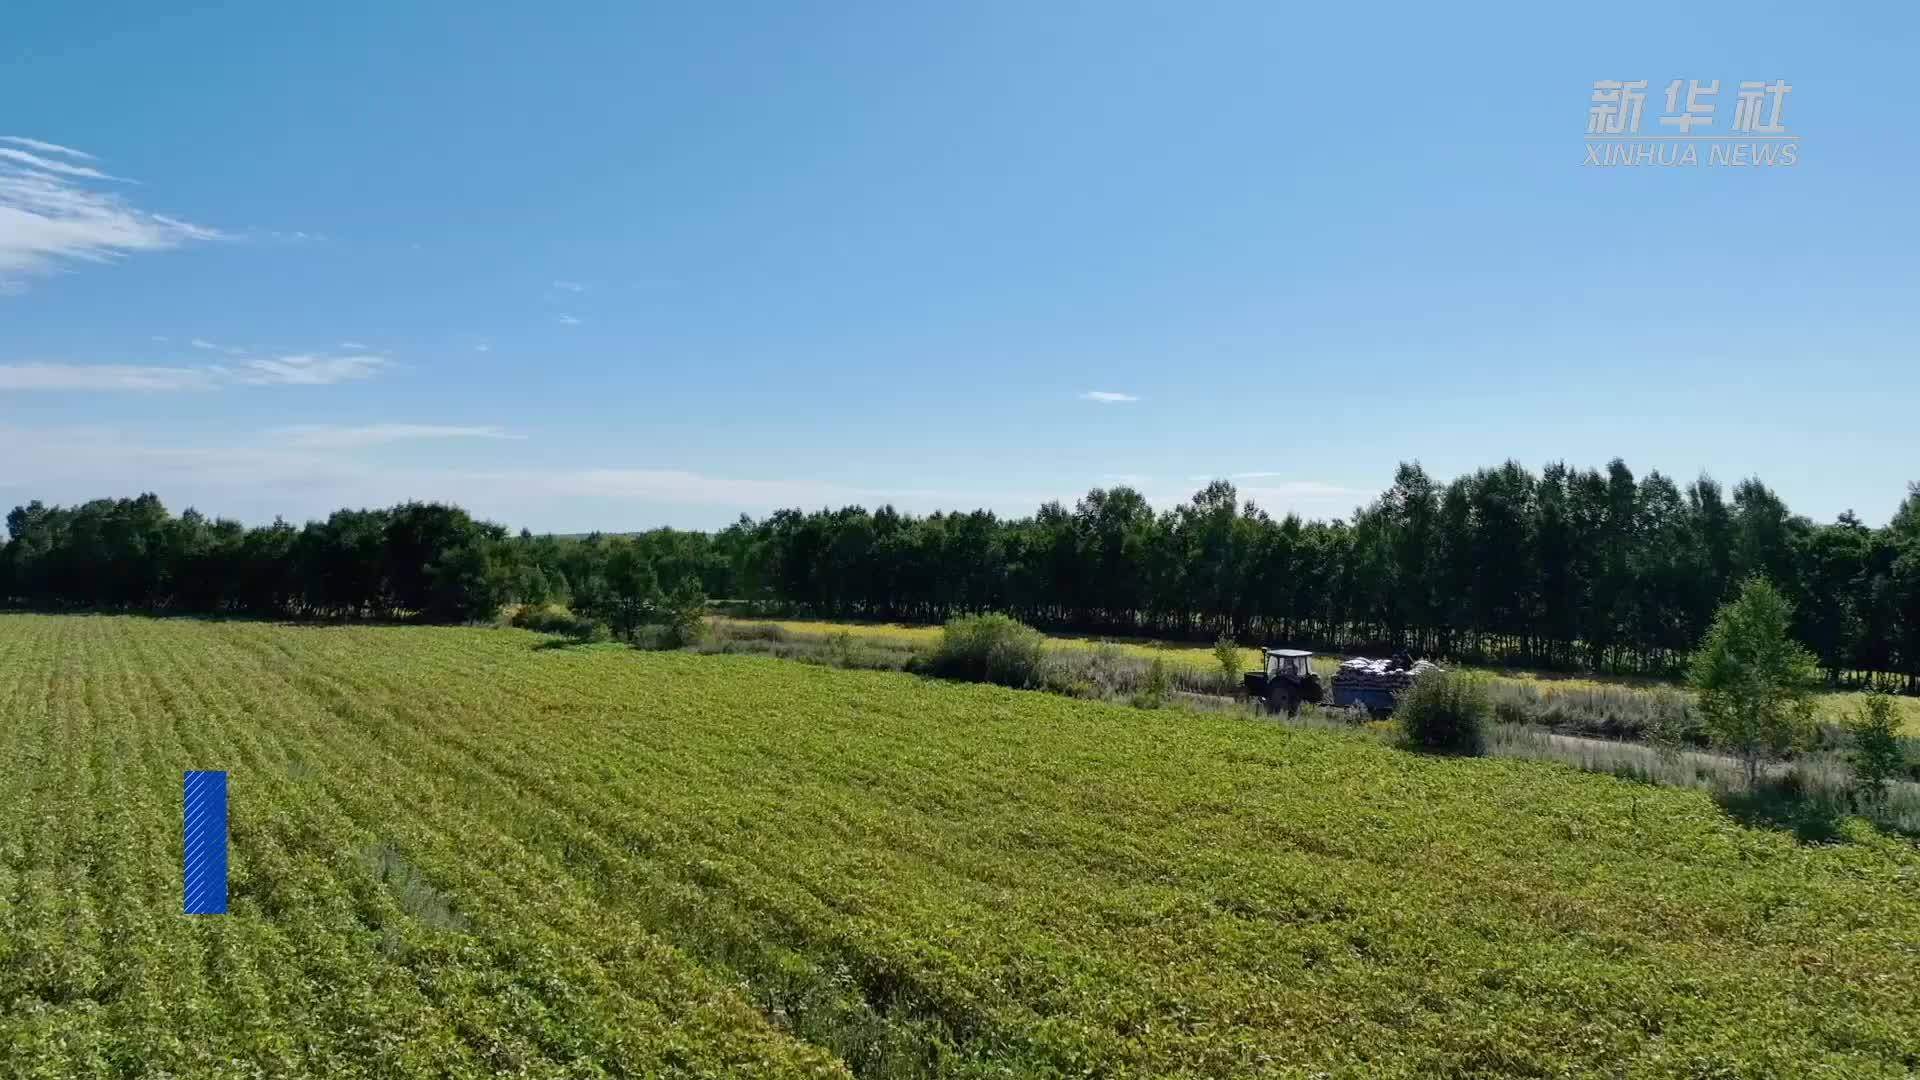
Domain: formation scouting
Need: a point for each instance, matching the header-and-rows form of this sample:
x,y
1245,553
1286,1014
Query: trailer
x,y
1378,701
1376,685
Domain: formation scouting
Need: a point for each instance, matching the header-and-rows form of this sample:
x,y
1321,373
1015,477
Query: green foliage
x,y
1753,680
425,562
416,895
1670,732
1158,686
556,619
750,631
643,597
991,648
683,612
465,583
1104,672
1445,712
840,649
668,864
1227,654
1879,753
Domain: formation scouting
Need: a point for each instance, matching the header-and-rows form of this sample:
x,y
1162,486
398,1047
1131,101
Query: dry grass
x,y
1189,654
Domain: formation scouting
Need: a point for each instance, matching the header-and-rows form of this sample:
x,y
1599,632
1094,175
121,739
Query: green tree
x,y
1903,587
1833,565
632,590
1753,677
466,583
1878,756
682,614
1227,655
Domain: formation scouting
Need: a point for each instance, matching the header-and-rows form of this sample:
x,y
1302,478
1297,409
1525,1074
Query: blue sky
x,y
612,266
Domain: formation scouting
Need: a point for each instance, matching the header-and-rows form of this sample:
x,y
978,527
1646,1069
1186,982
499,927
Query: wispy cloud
x,y
308,370
705,489
358,346
483,347
310,470
1291,489
298,370
46,147
570,286
210,346
567,320
103,377
1108,397
1132,480
332,436
1295,489
1307,498
55,211
52,165
1277,495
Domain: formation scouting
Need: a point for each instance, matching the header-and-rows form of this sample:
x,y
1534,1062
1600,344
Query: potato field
x,y
472,852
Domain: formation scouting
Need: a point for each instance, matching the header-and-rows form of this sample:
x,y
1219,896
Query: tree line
x,y
1564,568
420,561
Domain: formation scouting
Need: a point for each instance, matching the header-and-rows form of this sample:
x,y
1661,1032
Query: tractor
x,y
1287,681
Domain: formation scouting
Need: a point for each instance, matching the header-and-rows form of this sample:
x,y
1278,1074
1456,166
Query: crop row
x,y
470,852
319,969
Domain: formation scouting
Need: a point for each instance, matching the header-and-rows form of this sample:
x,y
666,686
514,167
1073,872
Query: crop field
x,y
474,852
1830,707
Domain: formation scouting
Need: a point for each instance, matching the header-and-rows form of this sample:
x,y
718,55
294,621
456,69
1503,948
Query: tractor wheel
x,y
1282,700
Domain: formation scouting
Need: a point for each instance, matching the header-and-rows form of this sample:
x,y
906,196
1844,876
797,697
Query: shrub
x,y
991,648
1227,654
1445,711
749,631
1668,734
1158,686
651,637
1878,756
555,619
1608,712
1102,672
840,649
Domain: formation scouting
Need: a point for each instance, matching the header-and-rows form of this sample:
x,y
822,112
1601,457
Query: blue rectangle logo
x,y
206,843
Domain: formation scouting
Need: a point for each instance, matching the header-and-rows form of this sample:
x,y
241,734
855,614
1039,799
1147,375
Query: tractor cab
x,y
1294,664
1286,680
